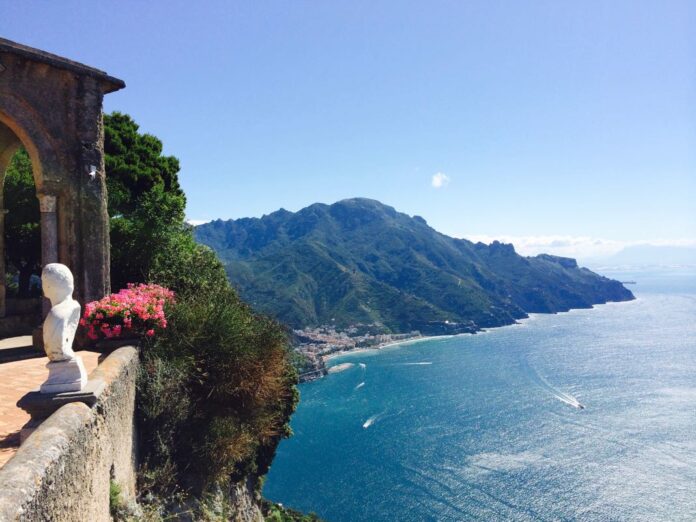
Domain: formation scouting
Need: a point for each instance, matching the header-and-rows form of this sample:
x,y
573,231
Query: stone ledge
x,y
24,475
41,405
112,366
63,469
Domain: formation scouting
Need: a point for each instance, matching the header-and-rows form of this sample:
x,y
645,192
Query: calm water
x,y
486,427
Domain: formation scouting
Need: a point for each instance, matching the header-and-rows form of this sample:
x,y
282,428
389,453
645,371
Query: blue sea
x,y
490,426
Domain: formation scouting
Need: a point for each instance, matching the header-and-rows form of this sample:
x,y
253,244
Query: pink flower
x,y
137,308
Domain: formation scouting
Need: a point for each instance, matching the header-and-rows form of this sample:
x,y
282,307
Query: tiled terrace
x,y
16,379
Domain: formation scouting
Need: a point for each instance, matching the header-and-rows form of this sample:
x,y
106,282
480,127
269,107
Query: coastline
x,y
412,340
416,339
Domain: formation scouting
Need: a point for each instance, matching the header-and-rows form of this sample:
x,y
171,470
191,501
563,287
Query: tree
x,y
145,199
22,222
135,165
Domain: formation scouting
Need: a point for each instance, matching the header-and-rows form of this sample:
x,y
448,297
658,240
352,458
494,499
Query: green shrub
x,y
216,389
115,500
217,386
278,513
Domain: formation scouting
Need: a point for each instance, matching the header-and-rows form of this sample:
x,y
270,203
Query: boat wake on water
x,y
380,416
369,422
363,366
558,394
570,400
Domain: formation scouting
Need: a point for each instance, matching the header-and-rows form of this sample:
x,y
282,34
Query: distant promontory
x,y
359,261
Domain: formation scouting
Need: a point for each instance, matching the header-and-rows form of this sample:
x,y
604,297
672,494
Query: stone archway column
x,y
3,289
49,235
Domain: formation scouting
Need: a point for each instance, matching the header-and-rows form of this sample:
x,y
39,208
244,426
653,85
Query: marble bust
x,y
61,322
66,371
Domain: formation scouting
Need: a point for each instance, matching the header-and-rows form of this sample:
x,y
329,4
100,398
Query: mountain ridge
x,y
361,261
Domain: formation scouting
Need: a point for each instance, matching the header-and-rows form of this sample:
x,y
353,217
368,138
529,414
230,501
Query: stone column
x,y
3,290
49,236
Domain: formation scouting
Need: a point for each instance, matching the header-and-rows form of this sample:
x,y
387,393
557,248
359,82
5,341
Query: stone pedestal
x,y
65,376
41,405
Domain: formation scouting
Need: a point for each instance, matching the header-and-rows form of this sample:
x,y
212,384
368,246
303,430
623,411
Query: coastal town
x,y
315,346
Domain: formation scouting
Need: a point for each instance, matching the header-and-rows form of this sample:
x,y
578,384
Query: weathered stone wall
x,y
53,106
63,470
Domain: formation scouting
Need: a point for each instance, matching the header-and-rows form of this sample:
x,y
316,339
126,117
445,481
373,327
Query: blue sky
x,y
551,122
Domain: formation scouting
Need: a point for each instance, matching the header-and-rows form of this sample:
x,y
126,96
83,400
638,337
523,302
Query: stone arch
x,y
12,137
28,132
53,107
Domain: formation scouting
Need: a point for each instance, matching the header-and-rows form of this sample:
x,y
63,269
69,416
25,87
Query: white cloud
x,y
579,247
196,222
440,180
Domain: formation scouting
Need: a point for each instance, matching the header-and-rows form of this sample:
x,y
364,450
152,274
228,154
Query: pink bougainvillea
x,y
134,311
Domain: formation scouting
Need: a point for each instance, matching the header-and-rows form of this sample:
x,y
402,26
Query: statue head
x,y
57,282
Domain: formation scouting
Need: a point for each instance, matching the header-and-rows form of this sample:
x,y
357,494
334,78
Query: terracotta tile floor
x,y
16,379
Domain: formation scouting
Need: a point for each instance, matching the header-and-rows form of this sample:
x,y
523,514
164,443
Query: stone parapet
x,y
63,470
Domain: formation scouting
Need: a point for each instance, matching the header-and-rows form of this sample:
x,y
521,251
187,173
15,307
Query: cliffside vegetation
x,y
277,513
217,387
360,261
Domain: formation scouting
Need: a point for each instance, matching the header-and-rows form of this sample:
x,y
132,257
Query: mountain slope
x,y
359,261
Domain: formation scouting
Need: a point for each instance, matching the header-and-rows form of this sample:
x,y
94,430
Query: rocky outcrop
x,y
245,501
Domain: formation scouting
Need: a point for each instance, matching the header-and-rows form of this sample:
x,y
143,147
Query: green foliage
x,y
22,222
359,261
146,233
301,362
135,165
117,507
216,389
277,513
114,496
145,201
217,386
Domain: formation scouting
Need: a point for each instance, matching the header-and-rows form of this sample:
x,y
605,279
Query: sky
x,y
568,127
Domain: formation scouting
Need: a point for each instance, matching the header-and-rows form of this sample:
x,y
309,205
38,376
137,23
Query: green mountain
x,y
360,261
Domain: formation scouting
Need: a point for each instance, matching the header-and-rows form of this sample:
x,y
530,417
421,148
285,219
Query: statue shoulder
x,y
75,312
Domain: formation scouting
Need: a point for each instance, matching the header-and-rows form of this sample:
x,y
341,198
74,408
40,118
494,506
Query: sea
x,y
584,415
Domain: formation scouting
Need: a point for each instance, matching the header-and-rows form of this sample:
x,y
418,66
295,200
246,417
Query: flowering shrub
x,y
134,311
